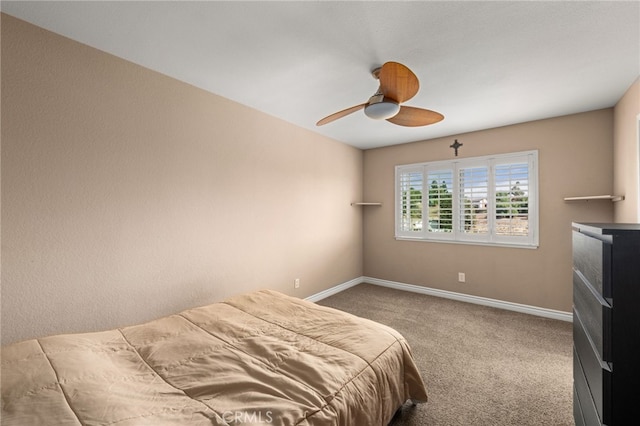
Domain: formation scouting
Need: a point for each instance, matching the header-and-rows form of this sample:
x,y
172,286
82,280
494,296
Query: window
x,y
482,200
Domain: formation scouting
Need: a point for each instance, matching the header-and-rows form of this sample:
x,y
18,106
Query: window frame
x,y
531,240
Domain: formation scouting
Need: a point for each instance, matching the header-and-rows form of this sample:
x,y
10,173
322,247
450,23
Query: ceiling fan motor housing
x,y
381,107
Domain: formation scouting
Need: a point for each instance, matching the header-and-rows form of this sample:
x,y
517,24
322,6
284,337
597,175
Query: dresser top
x,y
607,228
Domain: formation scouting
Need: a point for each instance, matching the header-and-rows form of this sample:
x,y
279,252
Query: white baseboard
x,y
510,306
334,290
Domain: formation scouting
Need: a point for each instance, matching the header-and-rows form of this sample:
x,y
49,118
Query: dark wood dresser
x,y
606,324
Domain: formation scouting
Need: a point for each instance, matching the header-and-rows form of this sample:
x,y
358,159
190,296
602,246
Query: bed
x,y
255,359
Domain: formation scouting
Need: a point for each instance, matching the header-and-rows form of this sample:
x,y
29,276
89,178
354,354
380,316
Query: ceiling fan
x,y
398,84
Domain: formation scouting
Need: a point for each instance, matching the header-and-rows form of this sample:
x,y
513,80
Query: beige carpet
x,y
481,365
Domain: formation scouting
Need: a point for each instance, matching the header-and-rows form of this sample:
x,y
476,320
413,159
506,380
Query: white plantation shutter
x,y
516,200
440,200
410,192
474,190
482,200
512,214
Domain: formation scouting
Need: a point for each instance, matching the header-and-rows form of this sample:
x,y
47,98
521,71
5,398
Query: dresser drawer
x,y
588,412
597,373
595,313
592,257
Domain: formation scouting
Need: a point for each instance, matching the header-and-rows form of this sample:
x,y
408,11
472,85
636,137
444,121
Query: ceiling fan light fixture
x,y
381,108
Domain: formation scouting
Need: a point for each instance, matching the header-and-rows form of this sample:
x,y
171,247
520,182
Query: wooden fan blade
x,y
340,114
398,82
415,117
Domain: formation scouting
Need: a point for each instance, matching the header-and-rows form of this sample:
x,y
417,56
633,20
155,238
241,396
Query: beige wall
x,y
127,195
625,155
575,156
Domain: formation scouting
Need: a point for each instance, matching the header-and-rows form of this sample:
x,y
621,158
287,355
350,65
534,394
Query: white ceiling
x,y
481,64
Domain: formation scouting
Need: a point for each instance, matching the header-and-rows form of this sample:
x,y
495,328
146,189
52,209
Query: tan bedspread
x,y
257,359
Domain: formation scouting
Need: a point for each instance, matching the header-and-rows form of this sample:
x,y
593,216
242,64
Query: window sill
x,y
471,243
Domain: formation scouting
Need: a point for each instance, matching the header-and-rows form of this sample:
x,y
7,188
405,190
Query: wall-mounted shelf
x,y
366,204
613,198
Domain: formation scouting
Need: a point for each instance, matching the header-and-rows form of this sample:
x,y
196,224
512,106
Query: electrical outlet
x,y
461,277
296,283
